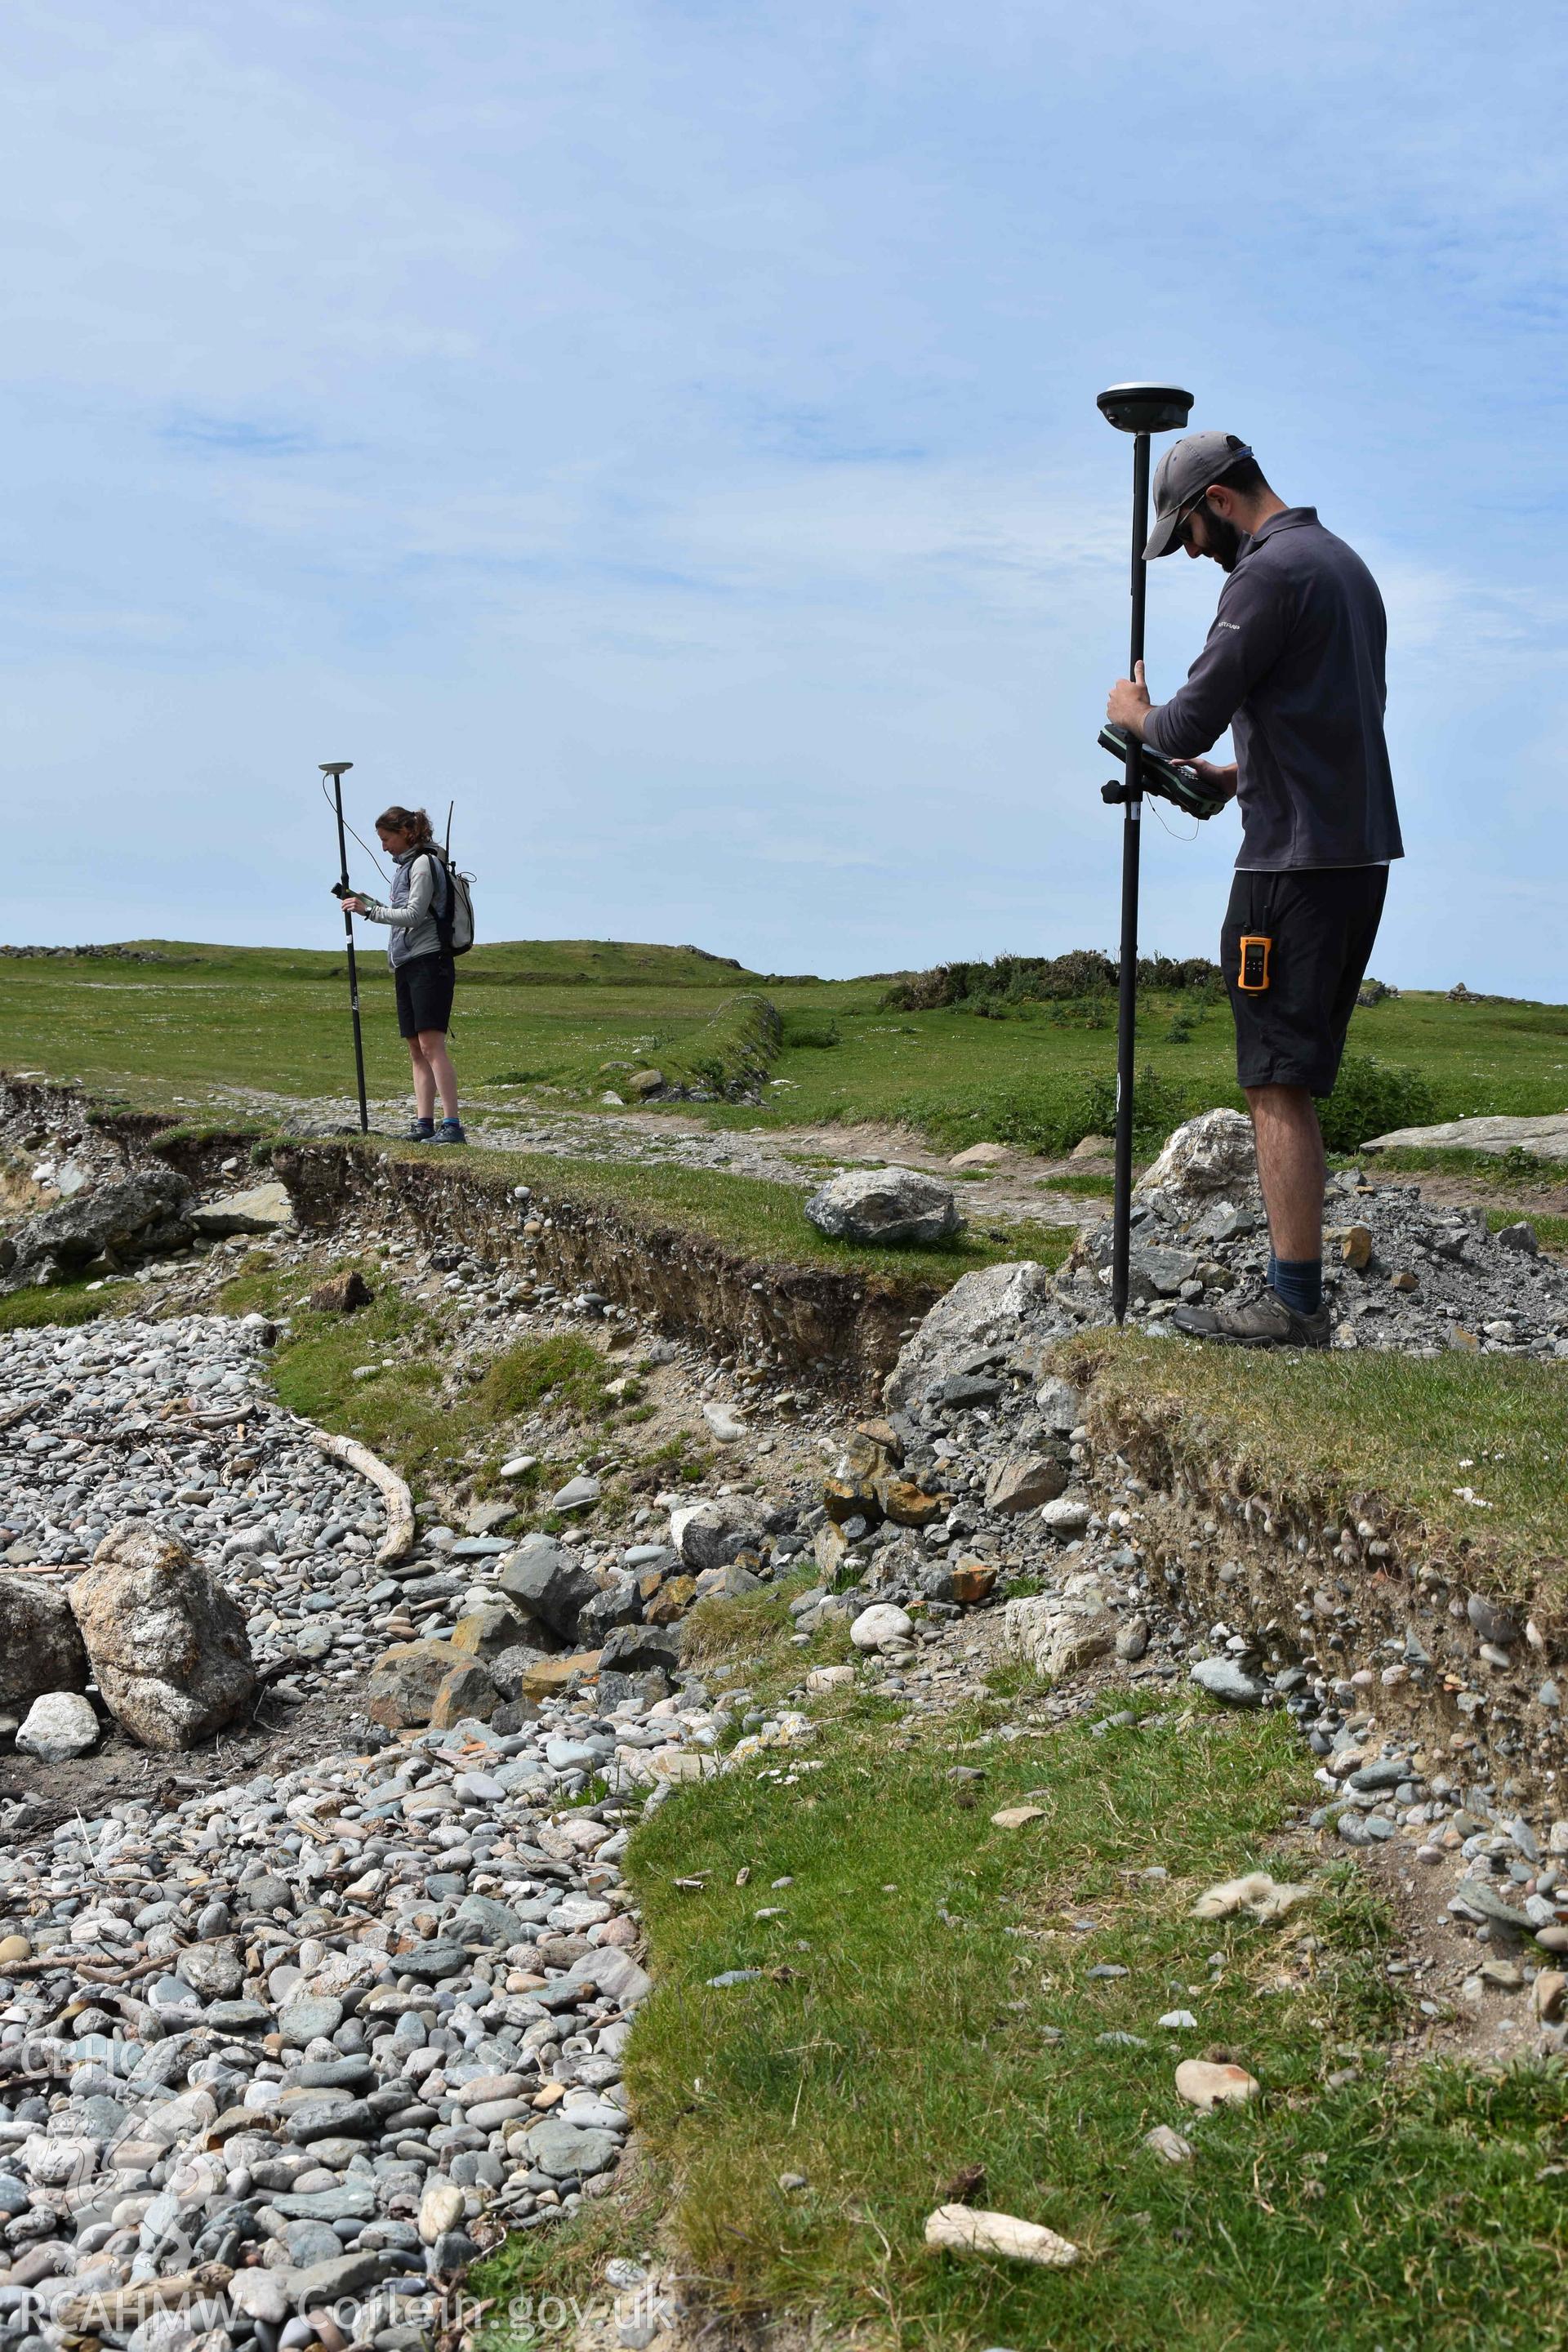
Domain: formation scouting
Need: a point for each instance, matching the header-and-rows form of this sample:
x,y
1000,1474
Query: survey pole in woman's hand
x,y
1140,409
337,770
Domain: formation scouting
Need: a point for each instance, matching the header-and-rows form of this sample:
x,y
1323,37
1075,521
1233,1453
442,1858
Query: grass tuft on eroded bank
x,y
1329,1427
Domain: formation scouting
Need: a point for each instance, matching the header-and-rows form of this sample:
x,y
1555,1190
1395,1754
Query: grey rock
x,y
711,1534
1476,1895
331,2118
636,1649
136,1218
1224,1679
888,1206
564,2152
956,1389
577,1494
1209,1159
1490,1620
267,1893
264,1209
40,1648
1067,1519
1000,1306
549,1583
354,2201
309,2017
495,1923
346,2274
1161,1270
1024,1482
59,1726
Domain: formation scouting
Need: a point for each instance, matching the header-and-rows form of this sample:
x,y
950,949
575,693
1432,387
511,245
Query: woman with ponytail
x,y
418,911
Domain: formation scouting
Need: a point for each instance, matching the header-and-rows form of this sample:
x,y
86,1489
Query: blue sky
x,y
670,429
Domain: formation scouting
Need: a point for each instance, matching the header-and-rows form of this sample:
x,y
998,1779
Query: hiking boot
x,y
421,1130
450,1131
1264,1321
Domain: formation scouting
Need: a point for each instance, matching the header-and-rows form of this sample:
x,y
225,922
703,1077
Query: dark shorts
x,y
1322,921
424,985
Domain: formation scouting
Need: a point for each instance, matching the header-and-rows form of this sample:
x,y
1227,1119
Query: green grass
x,y
65,1302
540,1018
402,1413
1328,1427
901,2031
1513,1169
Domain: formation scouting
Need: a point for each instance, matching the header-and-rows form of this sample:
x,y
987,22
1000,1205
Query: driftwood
x,y
398,1540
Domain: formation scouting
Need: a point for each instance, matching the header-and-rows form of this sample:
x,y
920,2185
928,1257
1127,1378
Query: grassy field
x,y
537,1021
925,2007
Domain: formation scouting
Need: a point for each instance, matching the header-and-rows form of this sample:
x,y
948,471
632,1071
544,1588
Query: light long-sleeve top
x,y
418,897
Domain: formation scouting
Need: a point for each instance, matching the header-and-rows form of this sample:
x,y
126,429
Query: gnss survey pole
x,y
337,770
1140,409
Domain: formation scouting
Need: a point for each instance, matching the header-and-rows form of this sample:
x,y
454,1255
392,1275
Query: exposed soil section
x,y
841,1326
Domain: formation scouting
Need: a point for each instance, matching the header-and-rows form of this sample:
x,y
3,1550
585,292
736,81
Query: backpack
x,y
455,920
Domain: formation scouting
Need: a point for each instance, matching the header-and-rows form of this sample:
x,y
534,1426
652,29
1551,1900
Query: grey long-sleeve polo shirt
x,y
1294,666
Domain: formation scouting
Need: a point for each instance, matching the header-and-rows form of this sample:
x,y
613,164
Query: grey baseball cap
x,y
1183,473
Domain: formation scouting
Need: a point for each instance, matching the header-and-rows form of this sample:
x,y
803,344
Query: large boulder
x,y
990,1313
1211,1158
40,1648
141,1216
166,1643
549,1583
885,1205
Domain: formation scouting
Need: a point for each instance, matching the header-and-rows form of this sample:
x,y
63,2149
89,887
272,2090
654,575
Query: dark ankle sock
x,y
426,1126
1299,1281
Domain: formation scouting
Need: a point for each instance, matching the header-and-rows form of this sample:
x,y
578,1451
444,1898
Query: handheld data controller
x,y
1168,779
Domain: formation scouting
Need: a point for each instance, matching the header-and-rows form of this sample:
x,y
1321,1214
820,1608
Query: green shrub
x,y
1369,1099
801,1033
1081,973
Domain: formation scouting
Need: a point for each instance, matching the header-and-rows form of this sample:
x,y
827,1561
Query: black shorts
x,y
1321,921
424,985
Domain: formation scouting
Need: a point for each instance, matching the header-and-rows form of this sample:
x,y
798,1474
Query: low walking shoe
x,y
1264,1321
450,1131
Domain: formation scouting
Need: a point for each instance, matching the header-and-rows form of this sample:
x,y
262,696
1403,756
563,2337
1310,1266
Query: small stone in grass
x,y
1206,2085
1168,2145
964,2230
1012,1817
